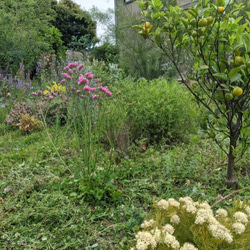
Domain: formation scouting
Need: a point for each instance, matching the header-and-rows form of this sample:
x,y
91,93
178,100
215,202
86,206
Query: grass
x,y
41,206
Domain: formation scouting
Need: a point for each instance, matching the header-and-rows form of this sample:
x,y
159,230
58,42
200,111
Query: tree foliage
x,y
72,21
220,47
30,28
22,25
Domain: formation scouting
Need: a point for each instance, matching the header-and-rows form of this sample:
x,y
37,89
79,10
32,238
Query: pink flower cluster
x,y
66,76
83,79
38,93
71,65
95,96
87,88
105,89
80,66
89,75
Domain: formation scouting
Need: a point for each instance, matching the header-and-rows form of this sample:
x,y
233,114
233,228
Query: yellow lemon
x,y
147,25
221,9
237,91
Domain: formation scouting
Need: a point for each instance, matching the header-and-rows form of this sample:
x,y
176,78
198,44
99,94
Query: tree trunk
x,y
234,135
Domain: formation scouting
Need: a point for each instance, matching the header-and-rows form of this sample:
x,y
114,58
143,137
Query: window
x,y
128,1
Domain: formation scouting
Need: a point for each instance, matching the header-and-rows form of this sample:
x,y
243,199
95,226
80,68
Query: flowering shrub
x,y
54,88
78,97
189,225
29,123
54,103
76,86
15,115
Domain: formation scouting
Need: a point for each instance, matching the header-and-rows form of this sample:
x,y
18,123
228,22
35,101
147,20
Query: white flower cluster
x,y
204,216
144,240
188,246
147,224
163,204
186,199
157,234
172,202
238,228
241,217
171,241
221,212
175,219
168,229
189,205
220,232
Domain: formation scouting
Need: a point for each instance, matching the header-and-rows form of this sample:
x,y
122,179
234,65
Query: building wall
x,y
133,8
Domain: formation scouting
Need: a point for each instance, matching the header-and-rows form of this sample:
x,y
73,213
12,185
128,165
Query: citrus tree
x,y
220,72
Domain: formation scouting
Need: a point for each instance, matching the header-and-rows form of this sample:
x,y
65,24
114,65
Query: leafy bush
x,y
29,123
53,104
193,225
107,52
156,110
19,109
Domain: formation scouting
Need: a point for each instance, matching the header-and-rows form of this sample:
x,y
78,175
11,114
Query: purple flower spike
x,y
34,94
51,97
78,91
41,103
70,71
83,96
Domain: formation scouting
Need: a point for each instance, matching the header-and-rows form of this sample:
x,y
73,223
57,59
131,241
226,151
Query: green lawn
x,y
41,206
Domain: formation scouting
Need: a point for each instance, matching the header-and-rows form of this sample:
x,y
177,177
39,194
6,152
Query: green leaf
x,y
221,76
236,77
137,27
203,67
157,40
157,15
233,72
156,4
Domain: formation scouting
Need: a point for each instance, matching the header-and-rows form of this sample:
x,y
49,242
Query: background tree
x,y
106,21
26,32
72,21
220,46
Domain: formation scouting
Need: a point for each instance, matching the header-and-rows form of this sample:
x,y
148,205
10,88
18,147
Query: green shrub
x,y
155,110
185,224
107,52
